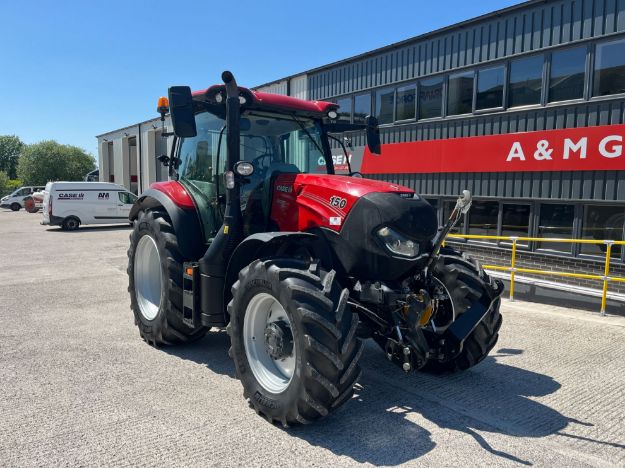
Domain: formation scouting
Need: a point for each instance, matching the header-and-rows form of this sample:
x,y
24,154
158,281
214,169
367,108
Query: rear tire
x,y
156,301
71,223
15,206
466,282
322,329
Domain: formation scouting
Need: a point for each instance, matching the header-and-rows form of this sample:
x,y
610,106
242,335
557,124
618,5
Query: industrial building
x,y
524,107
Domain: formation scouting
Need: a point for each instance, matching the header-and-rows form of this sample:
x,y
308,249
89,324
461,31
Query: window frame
x,y
375,102
416,102
591,70
497,225
504,66
371,103
351,105
473,94
581,212
535,244
547,77
444,93
542,82
530,224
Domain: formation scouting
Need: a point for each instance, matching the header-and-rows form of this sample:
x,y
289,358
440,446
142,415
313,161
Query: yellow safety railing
x,y
513,269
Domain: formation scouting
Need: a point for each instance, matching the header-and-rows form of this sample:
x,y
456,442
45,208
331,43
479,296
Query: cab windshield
x,y
274,143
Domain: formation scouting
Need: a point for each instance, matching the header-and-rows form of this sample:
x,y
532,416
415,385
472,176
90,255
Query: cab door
x,y
125,200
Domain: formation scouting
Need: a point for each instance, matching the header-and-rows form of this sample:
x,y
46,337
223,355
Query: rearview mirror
x,y
373,135
181,111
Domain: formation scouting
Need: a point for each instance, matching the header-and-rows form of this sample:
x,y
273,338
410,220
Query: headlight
x,y
398,244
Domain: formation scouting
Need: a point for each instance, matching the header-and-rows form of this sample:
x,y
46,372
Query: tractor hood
x,y
348,212
305,201
352,186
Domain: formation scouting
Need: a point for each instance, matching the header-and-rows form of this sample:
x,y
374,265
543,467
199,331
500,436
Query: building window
x,y
566,79
384,104
609,69
345,109
515,220
526,78
460,93
448,207
431,98
405,102
602,222
483,219
490,88
556,221
362,107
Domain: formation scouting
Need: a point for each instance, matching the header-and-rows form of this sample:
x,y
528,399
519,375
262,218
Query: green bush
x,y
49,161
4,182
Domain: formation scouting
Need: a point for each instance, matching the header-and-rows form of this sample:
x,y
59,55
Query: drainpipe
x,y
140,172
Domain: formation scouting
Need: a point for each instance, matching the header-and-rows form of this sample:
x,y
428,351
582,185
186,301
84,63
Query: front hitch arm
x,y
463,204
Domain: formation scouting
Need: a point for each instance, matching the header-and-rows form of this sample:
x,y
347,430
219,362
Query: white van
x,y
70,204
15,200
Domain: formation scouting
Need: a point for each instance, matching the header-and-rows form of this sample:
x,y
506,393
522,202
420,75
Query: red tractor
x,y
256,233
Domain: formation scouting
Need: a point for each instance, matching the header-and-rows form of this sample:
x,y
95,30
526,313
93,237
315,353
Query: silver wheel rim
x,y
274,375
147,272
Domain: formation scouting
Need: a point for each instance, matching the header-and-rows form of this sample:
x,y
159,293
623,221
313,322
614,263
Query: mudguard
x,y
266,244
185,221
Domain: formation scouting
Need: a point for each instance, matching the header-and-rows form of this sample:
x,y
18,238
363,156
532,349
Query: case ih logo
x,y
71,196
574,149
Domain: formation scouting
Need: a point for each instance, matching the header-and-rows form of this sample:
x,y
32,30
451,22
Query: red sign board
x,y
574,149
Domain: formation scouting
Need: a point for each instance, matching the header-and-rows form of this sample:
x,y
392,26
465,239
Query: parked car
x,y
15,200
70,204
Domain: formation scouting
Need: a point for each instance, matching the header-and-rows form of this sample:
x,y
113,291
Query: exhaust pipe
x,y
215,261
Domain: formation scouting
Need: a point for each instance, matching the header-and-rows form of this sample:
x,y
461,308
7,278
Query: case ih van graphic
x,y
71,196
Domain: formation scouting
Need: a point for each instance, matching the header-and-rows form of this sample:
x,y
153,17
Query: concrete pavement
x,y
79,387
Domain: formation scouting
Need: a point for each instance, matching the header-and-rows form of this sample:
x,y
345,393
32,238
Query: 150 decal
x,y
338,201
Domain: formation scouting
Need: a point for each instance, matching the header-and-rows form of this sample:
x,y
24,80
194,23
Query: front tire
x,y
463,281
306,364
155,281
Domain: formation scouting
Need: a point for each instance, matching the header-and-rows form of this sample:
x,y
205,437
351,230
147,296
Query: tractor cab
x,y
277,135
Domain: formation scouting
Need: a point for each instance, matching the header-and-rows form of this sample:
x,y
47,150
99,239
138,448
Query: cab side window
x,y
127,198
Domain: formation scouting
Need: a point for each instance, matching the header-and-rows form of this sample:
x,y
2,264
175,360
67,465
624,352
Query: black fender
x,y
267,244
186,223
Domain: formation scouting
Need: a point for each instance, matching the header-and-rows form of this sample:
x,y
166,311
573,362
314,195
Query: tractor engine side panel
x,y
301,202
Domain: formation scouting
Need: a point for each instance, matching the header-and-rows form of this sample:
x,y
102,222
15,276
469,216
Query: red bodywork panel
x,y
280,101
176,192
305,201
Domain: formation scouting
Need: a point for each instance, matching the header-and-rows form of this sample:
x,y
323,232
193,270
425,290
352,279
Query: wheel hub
x,y
278,340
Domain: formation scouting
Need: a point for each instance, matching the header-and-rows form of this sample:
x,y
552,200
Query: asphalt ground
x,y
79,387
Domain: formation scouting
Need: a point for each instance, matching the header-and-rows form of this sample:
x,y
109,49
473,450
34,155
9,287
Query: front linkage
x,y
420,322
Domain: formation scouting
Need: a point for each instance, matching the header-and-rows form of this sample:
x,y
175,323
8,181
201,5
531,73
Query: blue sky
x,y
73,69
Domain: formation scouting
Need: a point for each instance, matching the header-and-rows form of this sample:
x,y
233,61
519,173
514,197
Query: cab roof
x,y
269,100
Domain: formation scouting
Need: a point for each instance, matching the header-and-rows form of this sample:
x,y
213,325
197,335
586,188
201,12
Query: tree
x,y
49,161
4,182
10,147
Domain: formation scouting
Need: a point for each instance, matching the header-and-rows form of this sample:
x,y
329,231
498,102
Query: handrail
x,y
513,269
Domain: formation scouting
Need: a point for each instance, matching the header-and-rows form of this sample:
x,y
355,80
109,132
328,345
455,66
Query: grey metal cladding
x,y
537,25
566,185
